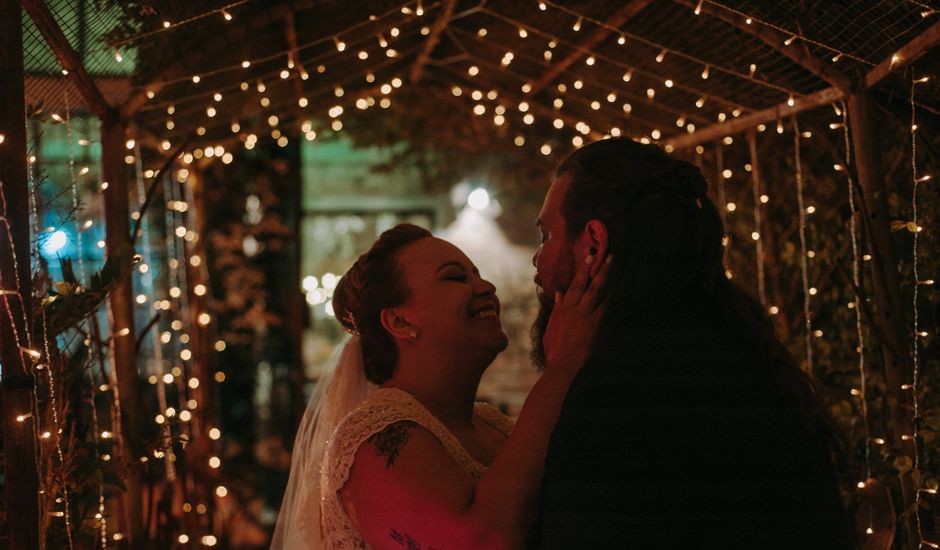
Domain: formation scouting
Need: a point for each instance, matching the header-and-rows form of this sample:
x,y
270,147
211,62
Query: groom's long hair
x,y
665,235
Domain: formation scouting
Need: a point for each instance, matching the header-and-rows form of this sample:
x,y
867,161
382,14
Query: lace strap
x,y
494,417
385,407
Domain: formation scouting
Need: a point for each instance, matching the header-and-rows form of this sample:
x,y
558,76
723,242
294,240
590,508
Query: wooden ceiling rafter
x,y
434,36
903,57
756,118
776,40
907,54
68,58
598,35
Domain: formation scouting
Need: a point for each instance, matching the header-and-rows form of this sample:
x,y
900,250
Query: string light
x,y
916,297
807,291
758,223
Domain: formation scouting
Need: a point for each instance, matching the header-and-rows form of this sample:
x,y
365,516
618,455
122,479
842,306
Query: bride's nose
x,y
484,287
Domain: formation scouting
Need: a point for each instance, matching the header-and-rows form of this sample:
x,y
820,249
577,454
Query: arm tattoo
x,y
406,541
391,439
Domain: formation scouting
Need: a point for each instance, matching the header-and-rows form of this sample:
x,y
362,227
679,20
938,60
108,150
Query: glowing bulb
x,y
478,199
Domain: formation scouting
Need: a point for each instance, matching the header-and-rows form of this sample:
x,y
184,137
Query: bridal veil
x,y
342,387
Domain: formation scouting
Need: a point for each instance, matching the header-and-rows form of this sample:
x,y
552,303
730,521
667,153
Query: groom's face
x,y
554,262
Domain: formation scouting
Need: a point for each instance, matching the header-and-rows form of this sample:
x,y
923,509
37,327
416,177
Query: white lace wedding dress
x,y
383,407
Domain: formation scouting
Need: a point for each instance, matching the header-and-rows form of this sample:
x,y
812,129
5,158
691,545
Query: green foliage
x,y
71,303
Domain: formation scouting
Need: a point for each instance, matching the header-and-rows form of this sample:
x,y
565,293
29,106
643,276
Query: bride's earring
x,y
413,335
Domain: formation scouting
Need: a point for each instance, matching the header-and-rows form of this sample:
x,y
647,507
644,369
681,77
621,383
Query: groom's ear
x,y
594,240
396,324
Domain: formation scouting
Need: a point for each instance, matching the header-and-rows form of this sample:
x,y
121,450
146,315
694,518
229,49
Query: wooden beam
x,y
904,57
67,56
431,42
889,310
21,490
121,317
799,54
624,14
742,123
908,54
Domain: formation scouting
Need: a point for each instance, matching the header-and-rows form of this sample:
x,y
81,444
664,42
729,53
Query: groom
x,y
691,426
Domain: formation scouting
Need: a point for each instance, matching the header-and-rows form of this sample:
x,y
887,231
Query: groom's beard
x,y
538,333
562,281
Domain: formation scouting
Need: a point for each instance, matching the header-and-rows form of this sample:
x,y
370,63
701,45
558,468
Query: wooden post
x,y
898,364
21,491
121,309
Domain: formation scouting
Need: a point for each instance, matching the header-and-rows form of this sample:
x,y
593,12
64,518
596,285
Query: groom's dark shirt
x,y
675,436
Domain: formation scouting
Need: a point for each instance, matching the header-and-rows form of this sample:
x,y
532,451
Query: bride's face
x,y
450,304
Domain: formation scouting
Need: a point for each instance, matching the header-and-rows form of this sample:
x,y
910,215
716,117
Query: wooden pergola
x,y
441,48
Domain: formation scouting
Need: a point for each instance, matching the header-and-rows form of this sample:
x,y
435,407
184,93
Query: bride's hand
x,y
575,319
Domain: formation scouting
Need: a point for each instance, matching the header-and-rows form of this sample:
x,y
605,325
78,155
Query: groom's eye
x,y
456,277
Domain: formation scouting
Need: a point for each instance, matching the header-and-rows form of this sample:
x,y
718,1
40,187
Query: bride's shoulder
x,y
384,405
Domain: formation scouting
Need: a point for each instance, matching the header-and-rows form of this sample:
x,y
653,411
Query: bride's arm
x,y
405,491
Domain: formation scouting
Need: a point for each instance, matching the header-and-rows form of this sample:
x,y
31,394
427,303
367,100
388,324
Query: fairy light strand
x,y
620,64
235,88
164,27
857,281
804,268
722,202
620,32
533,102
758,223
74,188
295,51
791,34
6,295
324,92
53,402
916,348
640,100
147,283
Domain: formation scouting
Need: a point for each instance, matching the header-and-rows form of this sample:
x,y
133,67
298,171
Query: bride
x,y
417,463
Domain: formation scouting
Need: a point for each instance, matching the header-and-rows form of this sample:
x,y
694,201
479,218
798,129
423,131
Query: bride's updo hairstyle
x,y
372,284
